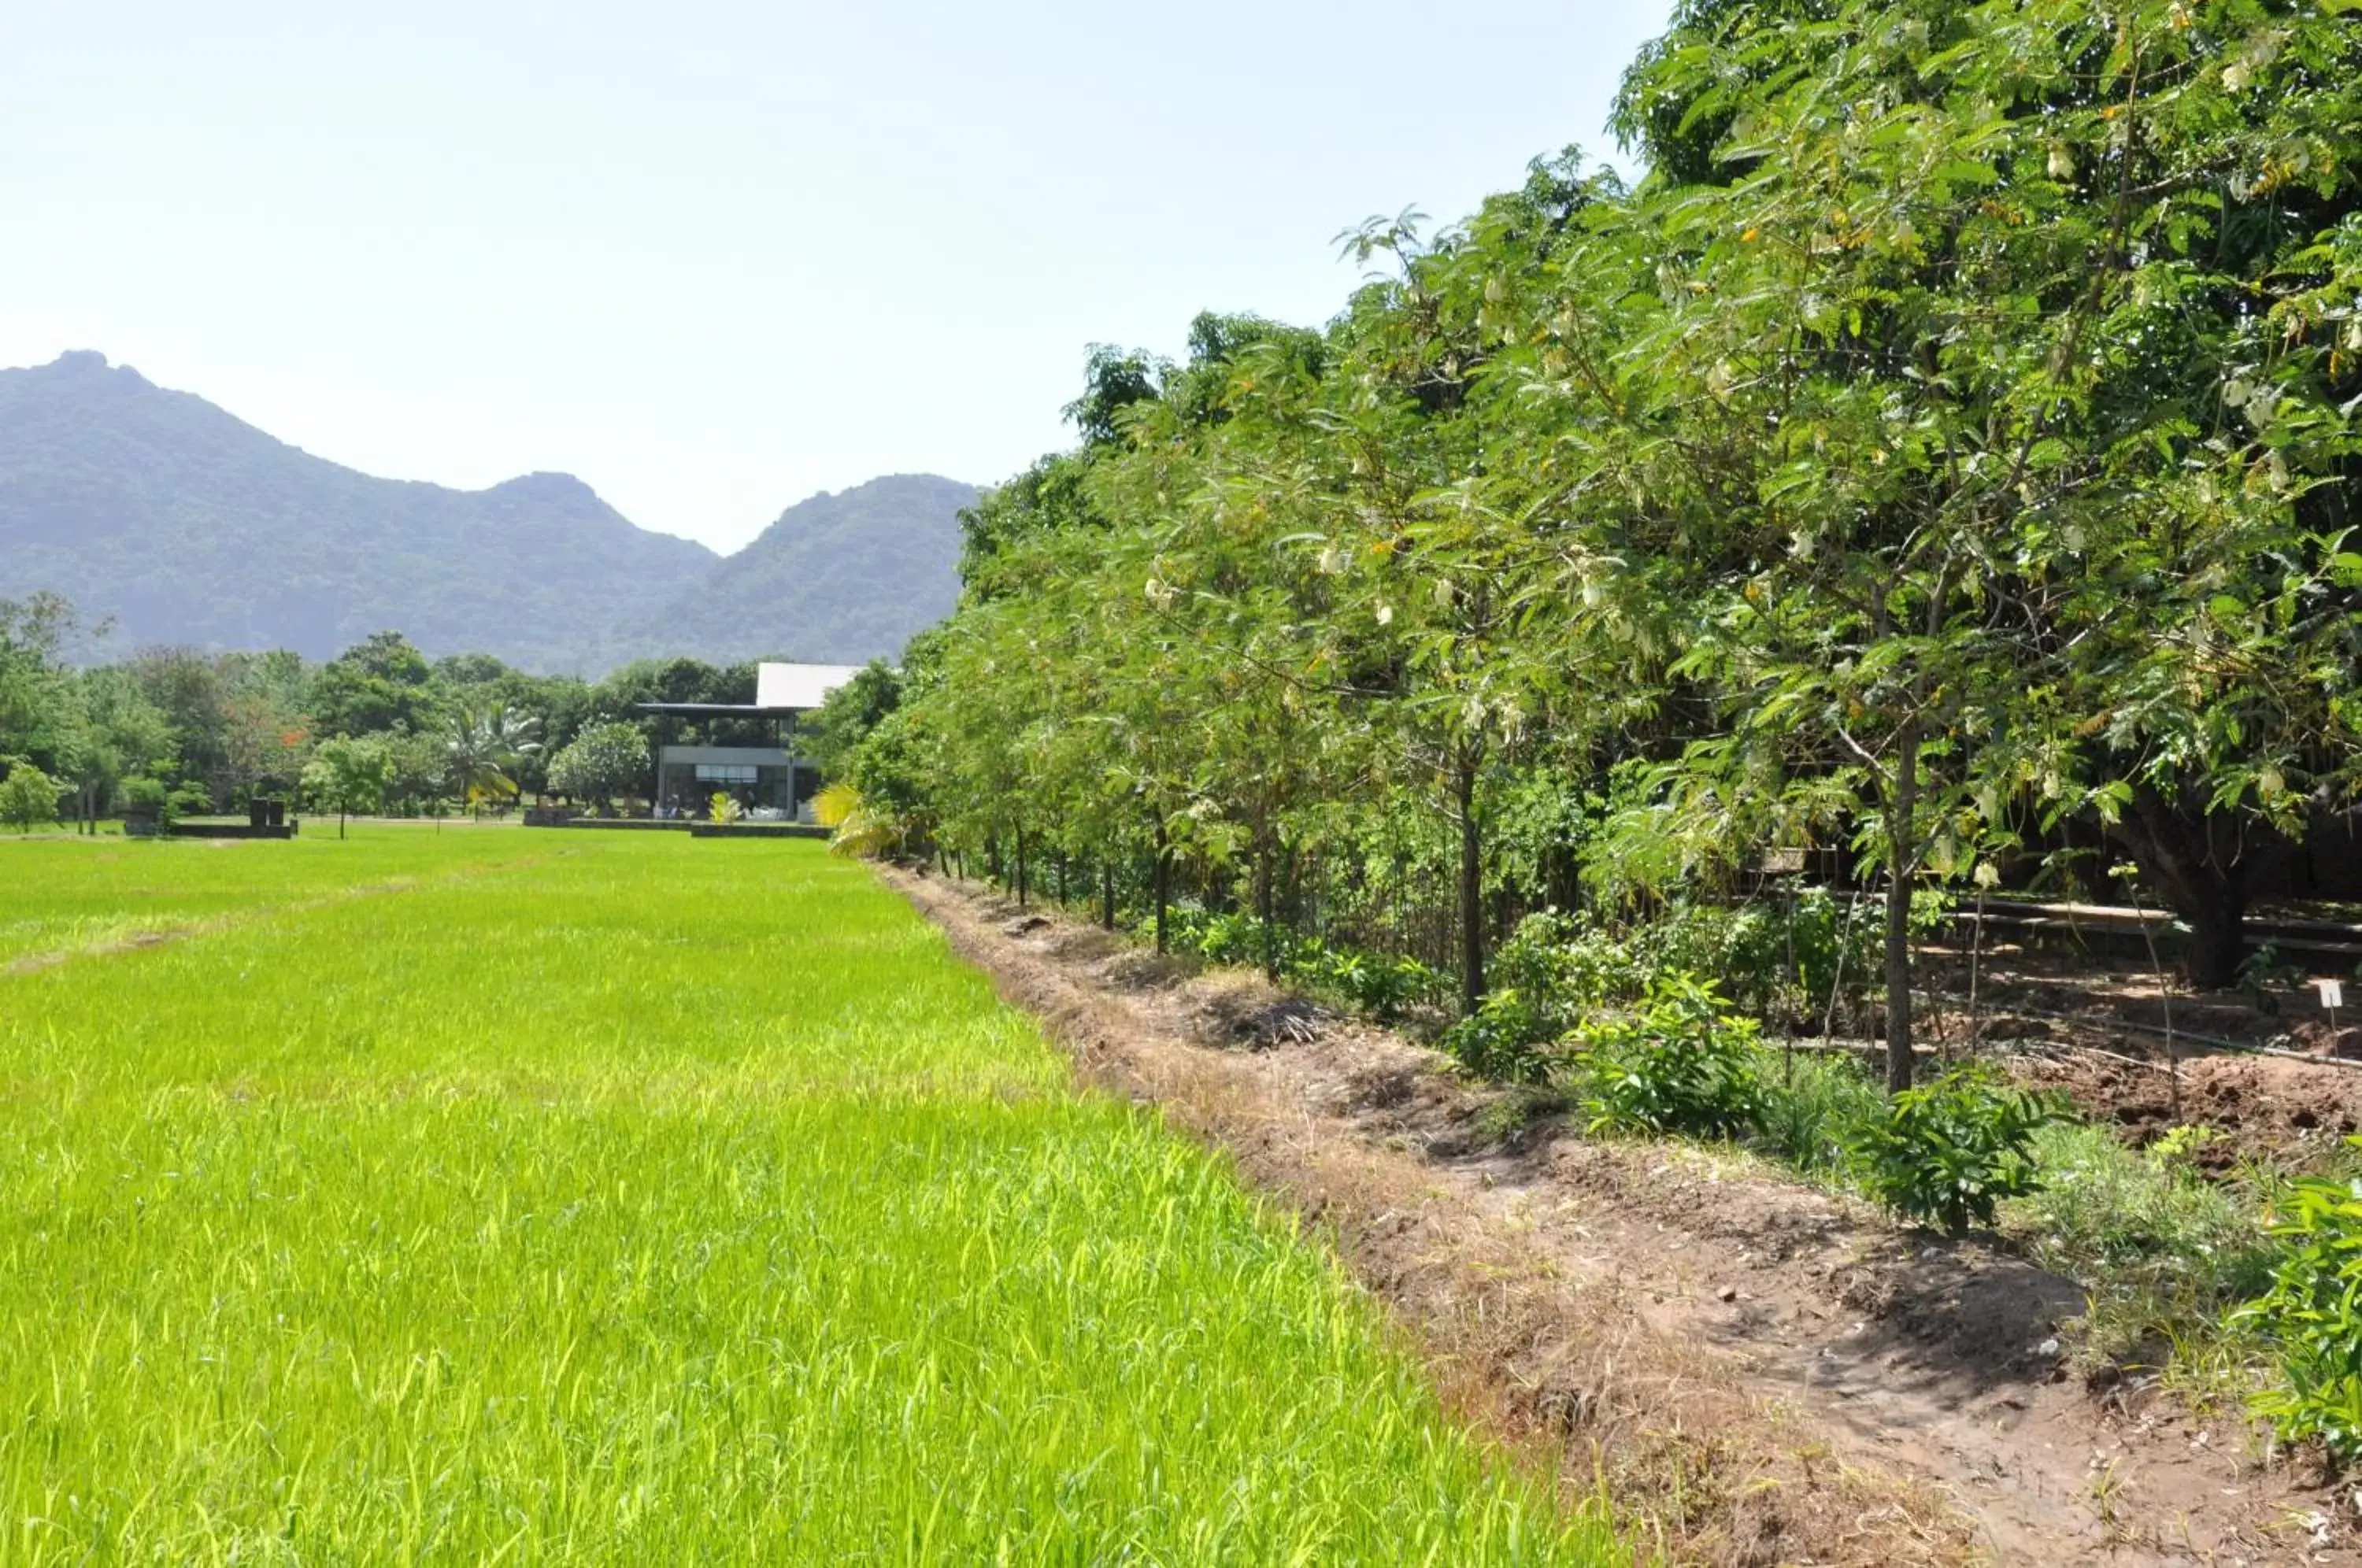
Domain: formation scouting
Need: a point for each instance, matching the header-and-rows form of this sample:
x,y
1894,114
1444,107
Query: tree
x,y
373,686
348,774
418,774
33,701
607,759
847,716
485,745
27,797
112,733
1952,437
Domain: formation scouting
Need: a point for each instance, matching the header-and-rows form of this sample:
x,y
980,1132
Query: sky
x,y
713,258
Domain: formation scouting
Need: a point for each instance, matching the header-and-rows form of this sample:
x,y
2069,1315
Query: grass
x,y
63,895
641,1199
2164,1252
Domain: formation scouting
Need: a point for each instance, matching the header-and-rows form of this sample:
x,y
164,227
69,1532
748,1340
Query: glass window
x,y
724,773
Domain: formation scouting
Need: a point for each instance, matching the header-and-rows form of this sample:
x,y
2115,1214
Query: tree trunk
x,y
1164,881
1472,891
1902,862
1107,895
2218,940
2206,883
1263,914
1021,868
340,821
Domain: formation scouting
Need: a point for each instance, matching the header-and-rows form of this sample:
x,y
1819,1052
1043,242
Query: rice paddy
x,y
494,1196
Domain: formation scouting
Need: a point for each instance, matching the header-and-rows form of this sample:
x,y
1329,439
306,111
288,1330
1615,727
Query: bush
x,y
2313,1313
29,797
1385,988
1539,980
145,798
1503,1039
1765,956
605,760
1679,1064
1372,982
1949,1150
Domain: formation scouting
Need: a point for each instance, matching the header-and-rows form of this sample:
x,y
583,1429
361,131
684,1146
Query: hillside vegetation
x,y
838,579
185,527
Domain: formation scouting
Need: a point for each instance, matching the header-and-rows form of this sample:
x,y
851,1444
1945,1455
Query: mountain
x,y
839,579
188,525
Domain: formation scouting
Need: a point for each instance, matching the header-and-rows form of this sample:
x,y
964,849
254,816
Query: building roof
x,y
715,710
782,690
799,686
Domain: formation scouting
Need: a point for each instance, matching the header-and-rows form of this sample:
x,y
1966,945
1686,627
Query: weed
x,y
1511,1113
1817,1112
2162,1248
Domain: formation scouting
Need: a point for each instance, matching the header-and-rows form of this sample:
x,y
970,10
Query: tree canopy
x,y
1951,439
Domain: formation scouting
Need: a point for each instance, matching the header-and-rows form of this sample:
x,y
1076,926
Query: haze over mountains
x,y
188,525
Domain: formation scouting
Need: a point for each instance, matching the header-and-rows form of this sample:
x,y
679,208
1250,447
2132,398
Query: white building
x,y
758,776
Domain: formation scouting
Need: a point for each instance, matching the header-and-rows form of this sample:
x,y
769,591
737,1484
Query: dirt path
x,y
1756,1372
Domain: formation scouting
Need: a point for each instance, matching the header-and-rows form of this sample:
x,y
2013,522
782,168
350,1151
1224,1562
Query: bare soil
x,y
1754,1371
2281,1081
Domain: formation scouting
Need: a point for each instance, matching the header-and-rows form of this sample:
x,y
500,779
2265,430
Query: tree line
x,y
381,727
1941,461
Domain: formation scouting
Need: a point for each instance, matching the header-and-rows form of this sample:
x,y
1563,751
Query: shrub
x,y
1765,956
145,798
1544,959
1385,988
1679,1064
605,760
1950,1149
1502,1039
27,797
2313,1313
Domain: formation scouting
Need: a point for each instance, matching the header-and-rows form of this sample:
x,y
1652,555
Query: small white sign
x,y
2332,994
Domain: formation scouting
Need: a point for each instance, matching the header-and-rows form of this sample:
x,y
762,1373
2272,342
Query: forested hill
x,y
187,526
840,578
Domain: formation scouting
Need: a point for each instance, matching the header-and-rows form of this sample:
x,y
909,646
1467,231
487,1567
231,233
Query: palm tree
x,y
485,745
861,829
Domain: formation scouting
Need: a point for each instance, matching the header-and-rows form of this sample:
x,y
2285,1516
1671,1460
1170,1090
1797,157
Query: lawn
x,y
625,1199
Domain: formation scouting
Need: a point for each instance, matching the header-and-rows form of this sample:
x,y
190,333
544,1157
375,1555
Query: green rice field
x,y
504,1196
